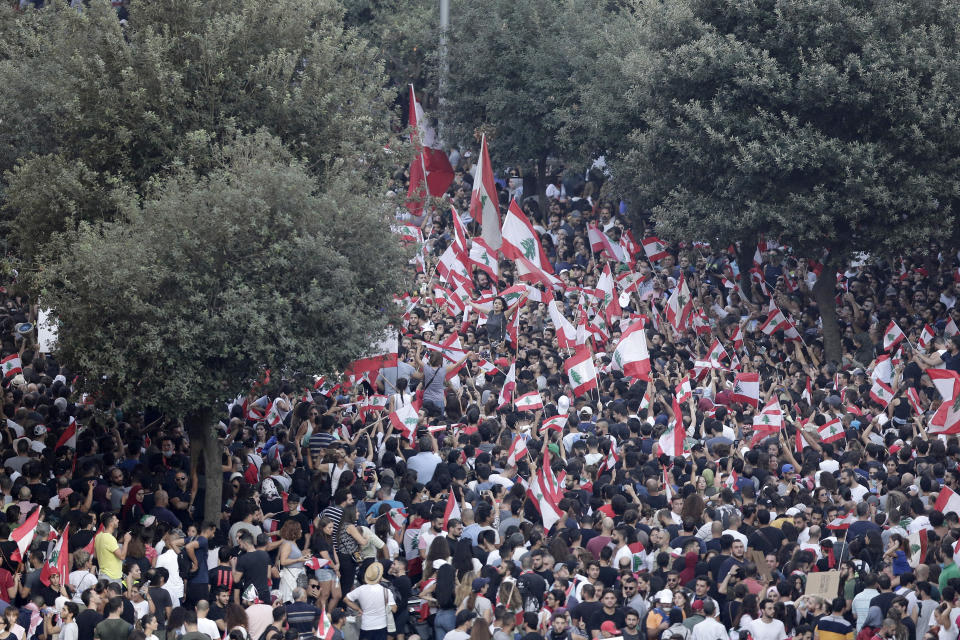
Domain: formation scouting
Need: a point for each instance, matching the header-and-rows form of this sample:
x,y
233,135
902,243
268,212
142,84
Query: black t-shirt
x,y
80,539
161,600
255,567
86,623
585,611
602,616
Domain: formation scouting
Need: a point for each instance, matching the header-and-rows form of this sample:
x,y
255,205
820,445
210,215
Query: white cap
x,y
664,596
563,405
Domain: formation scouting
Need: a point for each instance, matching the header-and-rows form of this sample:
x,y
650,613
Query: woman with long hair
x,y
323,546
290,559
148,624
235,619
463,560
749,611
440,587
480,630
349,543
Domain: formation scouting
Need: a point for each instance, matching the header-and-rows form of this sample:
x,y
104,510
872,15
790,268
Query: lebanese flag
x,y
892,336
611,303
746,389
881,393
484,203
405,420
737,338
831,431
23,535
452,266
770,419
951,329
566,332
556,423
680,306
274,414
946,420
408,232
452,509
914,399
948,501
58,560
430,171
459,235
655,249
11,365
531,272
807,393
671,442
667,489
509,385
520,240
483,257
801,442
631,355
325,629
601,243
69,436
518,449
369,368
684,390
717,352
92,544
926,336
882,369
580,371
841,523
315,563
544,490
529,402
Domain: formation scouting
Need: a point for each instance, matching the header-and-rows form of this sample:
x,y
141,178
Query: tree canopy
x,y
102,106
827,124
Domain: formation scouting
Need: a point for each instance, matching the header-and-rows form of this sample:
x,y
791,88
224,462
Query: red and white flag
x,y
807,393
892,336
926,336
483,257
631,355
520,239
770,419
671,442
325,628
544,490
600,243
610,303
509,386
405,420
529,402
680,306
23,536
737,338
484,203
951,329
717,352
831,431
69,436
948,501
655,249
556,423
566,332
746,389
684,390
58,560
946,420
452,510
581,371
841,523
914,399
430,171
11,365
518,449
881,393
316,562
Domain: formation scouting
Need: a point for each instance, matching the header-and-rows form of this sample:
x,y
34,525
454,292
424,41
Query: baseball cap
x,y
787,468
665,596
609,626
480,583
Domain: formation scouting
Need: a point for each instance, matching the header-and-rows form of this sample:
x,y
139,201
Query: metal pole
x,y
444,64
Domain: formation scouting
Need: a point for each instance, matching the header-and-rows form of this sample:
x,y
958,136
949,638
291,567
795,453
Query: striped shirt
x,y
834,628
319,442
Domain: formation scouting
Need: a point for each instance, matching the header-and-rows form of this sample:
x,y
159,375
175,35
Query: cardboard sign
x,y
760,559
825,584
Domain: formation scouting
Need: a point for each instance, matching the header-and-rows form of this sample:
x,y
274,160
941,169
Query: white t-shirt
x,y
764,631
370,598
209,627
174,585
69,631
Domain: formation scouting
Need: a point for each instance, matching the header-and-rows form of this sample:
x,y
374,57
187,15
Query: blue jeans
x,y
444,621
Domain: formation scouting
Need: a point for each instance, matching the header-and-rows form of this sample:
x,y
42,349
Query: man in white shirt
x,y
766,627
372,600
425,462
205,624
710,628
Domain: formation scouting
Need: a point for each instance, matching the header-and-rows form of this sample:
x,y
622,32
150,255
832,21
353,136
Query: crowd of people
x,y
521,502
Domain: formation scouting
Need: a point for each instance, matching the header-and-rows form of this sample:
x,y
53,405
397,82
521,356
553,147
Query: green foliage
x,y
403,32
828,124
511,65
213,278
113,106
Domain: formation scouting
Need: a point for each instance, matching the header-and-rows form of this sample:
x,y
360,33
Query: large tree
x,y
510,70
103,109
827,124
212,279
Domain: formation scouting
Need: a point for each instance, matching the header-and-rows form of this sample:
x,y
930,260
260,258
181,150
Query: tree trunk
x,y
824,292
542,183
204,443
